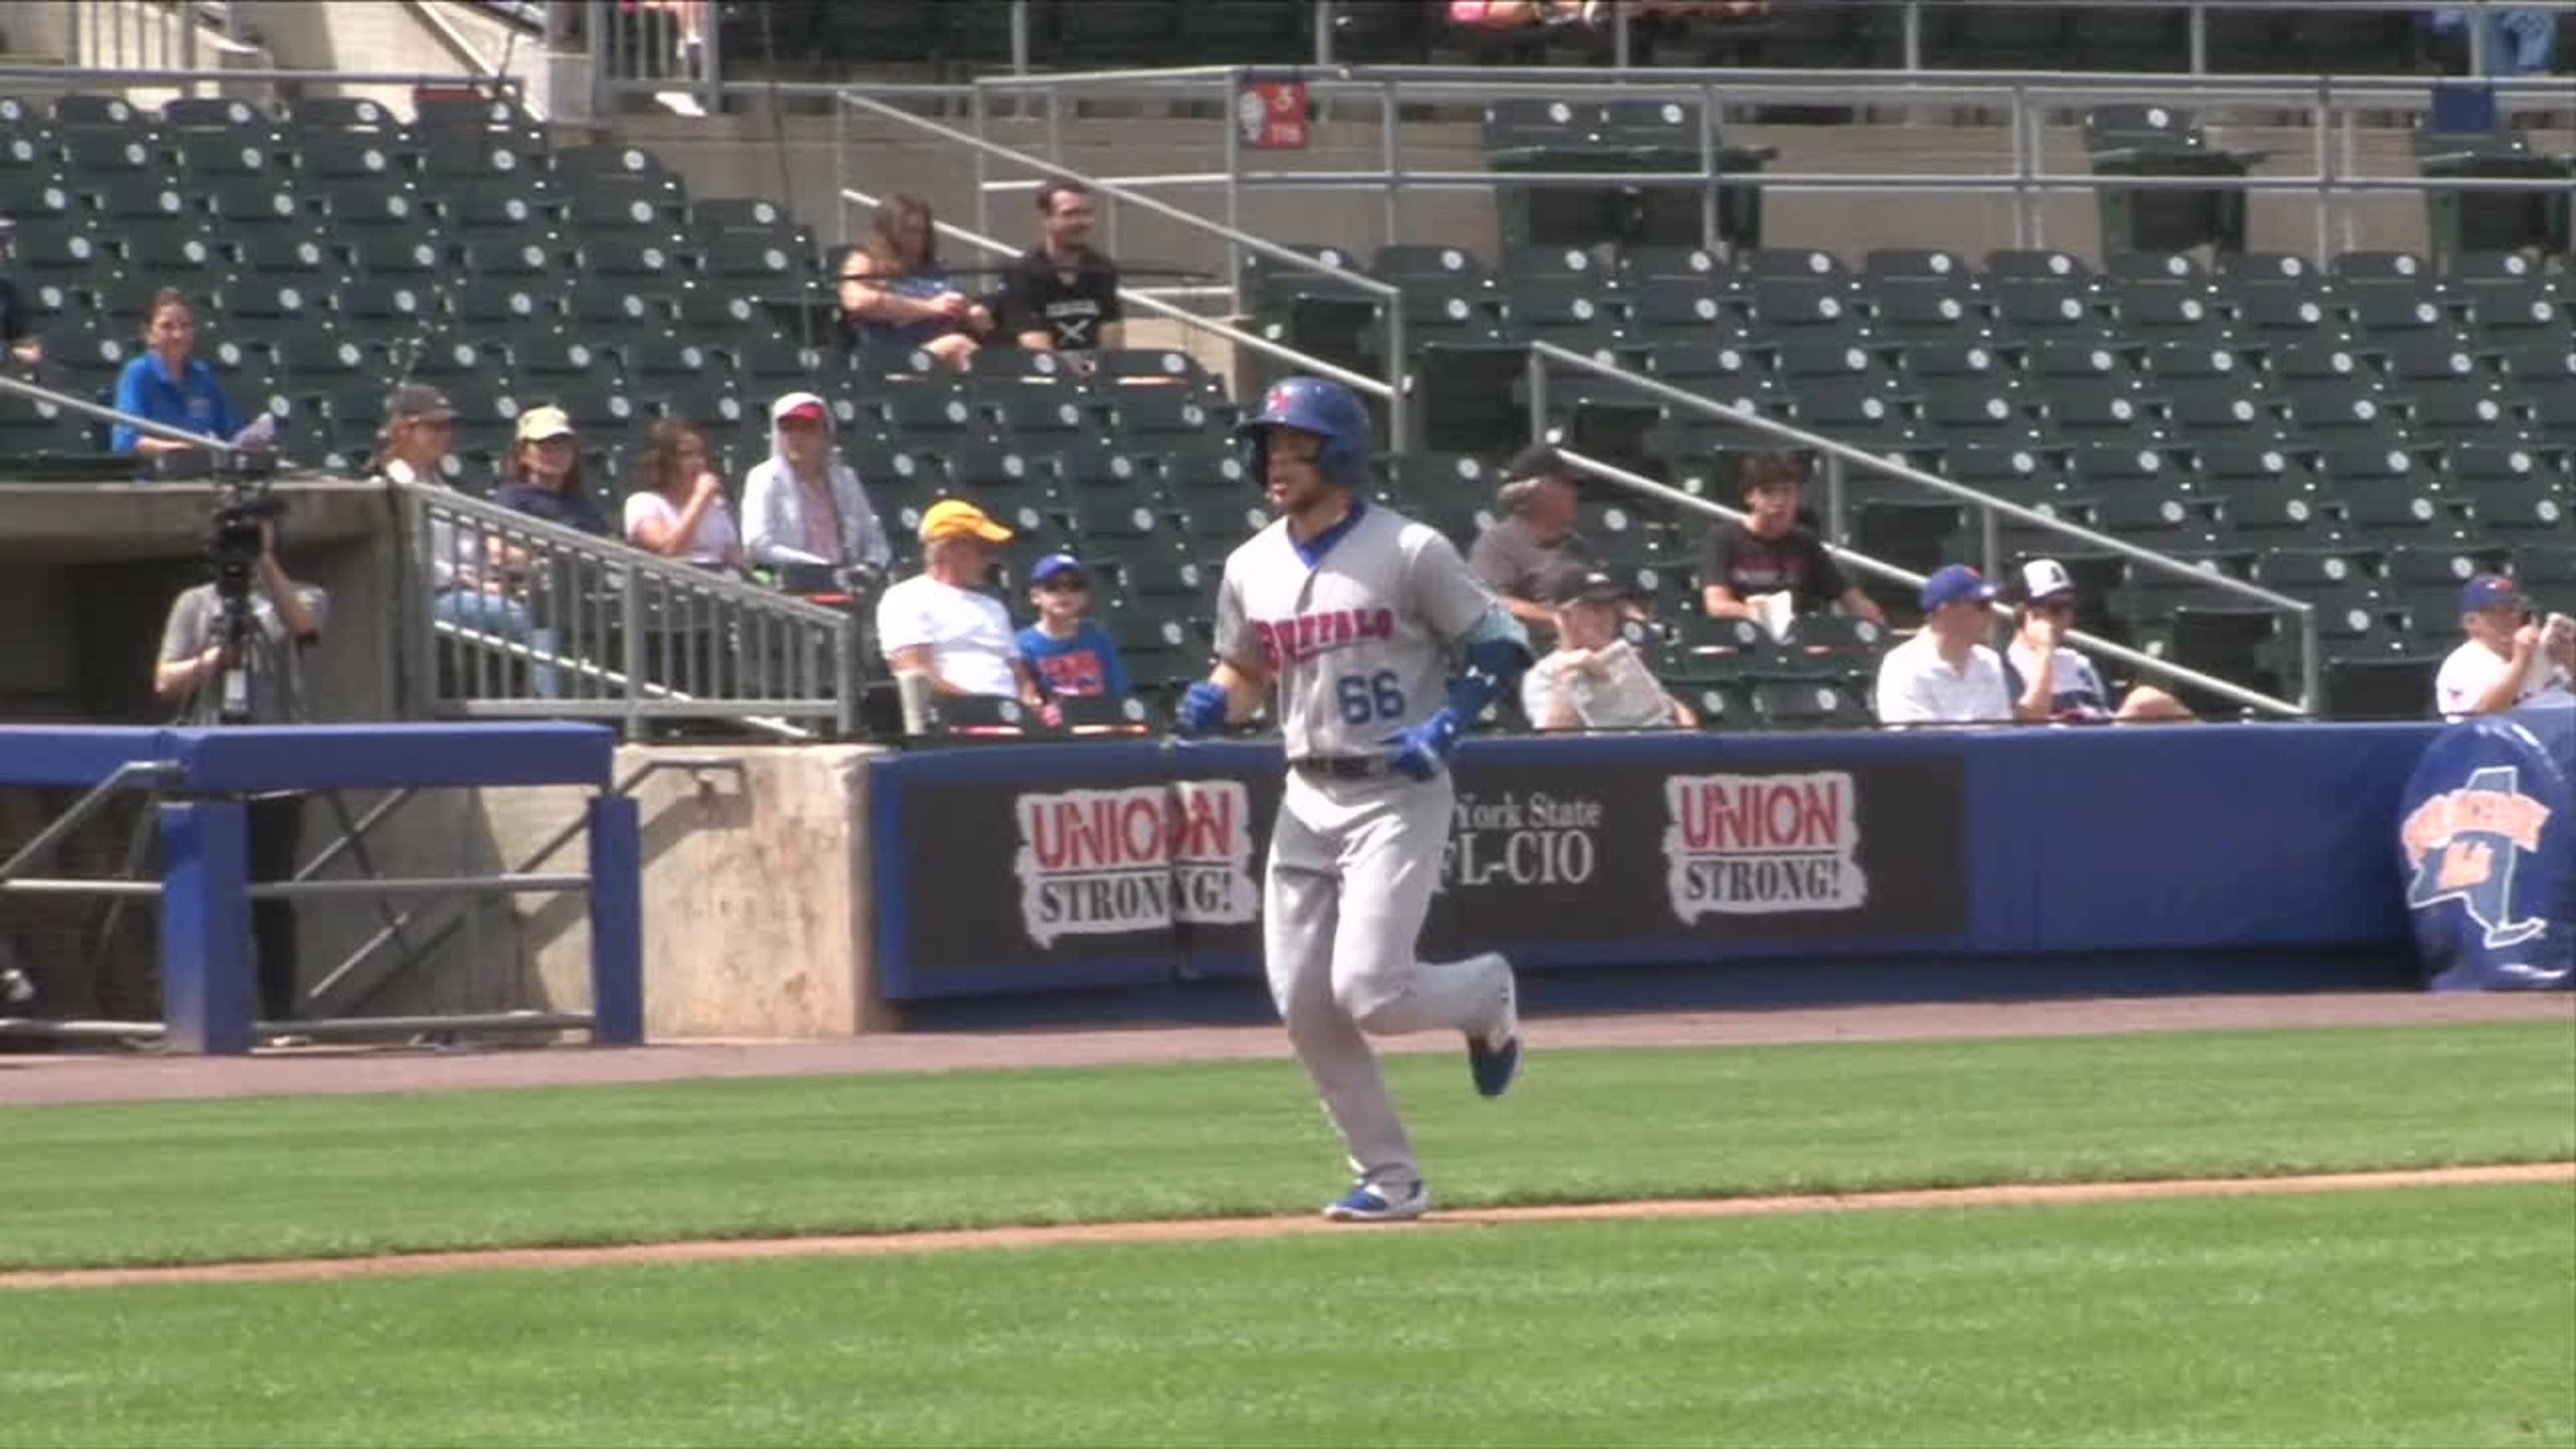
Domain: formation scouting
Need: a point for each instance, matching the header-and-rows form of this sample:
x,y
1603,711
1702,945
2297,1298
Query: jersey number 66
x,y
1364,698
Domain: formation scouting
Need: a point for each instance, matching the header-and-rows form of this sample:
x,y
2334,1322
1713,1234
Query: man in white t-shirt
x,y
1594,679
1946,674
939,626
2507,658
2050,682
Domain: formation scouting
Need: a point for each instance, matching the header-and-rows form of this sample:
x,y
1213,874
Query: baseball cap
x,y
1054,564
957,518
420,402
538,424
1953,584
804,407
1595,587
2044,578
1538,460
2489,591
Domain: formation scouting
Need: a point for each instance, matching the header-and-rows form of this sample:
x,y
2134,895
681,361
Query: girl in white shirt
x,y
678,509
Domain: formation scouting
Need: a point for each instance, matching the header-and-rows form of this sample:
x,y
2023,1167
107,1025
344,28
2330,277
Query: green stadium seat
x,y
1809,704
2035,311
2509,314
284,254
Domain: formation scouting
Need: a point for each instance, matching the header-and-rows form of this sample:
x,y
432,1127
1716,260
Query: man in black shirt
x,y
1061,296
25,348
1772,553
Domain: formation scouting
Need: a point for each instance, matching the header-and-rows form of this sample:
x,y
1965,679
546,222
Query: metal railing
x,y
653,47
2028,98
509,616
1990,511
1389,387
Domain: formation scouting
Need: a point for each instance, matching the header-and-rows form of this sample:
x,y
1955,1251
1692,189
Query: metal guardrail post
x,y
2199,40
1233,151
1990,543
2312,665
630,605
983,119
599,25
1019,37
1619,52
1913,34
711,64
2323,118
1391,154
1708,207
1837,498
1537,373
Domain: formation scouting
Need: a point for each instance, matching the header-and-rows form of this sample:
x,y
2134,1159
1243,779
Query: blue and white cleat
x,y
1494,1054
1367,1202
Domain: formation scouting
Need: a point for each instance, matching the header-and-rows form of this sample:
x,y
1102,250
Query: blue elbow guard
x,y
1494,661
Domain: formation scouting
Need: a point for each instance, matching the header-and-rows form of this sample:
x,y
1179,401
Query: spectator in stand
x,y
169,386
545,474
678,508
420,427
2519,41
1071,656
804,503
2049,681
895,294
1946,674
1530,554
940,628
1594,679
2507,658
1770,567
1061,296
1520,14
25,347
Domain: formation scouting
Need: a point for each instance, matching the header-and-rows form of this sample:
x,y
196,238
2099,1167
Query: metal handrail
x,y
1499,79
102,413
147,76
632,571
2180,674
1147,298
1395,338
1990,507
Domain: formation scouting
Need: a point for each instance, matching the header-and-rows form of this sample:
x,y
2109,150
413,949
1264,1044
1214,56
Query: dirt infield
x,y
1212,1229
43,1079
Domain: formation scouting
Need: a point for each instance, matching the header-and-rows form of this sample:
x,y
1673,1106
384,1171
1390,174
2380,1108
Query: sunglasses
x,y
1063,585
2054,606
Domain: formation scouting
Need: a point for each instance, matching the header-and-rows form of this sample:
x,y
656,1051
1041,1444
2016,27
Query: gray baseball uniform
x,y
1357,631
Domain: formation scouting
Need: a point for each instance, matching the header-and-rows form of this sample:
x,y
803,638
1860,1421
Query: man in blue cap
x,y
2507,658
1072,657
1946,674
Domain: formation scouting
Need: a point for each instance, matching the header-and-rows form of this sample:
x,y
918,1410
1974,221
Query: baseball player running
x,y
1351,615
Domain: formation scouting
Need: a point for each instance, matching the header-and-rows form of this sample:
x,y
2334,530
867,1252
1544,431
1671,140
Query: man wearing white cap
x,y
2052,682
804,505
1946,674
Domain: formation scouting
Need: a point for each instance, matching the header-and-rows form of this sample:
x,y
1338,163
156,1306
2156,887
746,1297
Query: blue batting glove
x,y
1422,750
1202,710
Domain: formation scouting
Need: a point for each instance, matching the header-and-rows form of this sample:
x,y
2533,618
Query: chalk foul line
x,y
1184,1230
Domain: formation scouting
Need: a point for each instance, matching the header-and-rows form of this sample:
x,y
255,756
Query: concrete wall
x,y
756,910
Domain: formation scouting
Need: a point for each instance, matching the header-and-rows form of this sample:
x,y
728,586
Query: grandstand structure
x,y
2270,408
2294,456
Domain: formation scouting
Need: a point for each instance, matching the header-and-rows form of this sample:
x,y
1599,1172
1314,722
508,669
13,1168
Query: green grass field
x,y
2417,1316
317,1176
2423,1316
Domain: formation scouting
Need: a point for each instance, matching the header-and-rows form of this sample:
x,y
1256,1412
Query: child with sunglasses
x,y
1071,656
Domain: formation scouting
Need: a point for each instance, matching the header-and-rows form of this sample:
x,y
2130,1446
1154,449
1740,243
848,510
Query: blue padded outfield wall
x,y
2487,845
1948,860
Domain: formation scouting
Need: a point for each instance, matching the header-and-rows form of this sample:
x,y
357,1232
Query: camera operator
x,y
2507,658
230,655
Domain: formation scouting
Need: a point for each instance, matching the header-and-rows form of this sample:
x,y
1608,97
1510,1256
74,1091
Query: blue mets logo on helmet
x,y
2465,844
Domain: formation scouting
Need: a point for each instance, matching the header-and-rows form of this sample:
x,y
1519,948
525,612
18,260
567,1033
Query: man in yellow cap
x,y
940,626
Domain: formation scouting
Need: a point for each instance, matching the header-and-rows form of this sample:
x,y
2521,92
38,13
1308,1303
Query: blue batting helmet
x,y
1312,405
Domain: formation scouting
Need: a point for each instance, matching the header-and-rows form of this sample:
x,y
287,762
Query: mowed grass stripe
x,y
339,1176
2424,1316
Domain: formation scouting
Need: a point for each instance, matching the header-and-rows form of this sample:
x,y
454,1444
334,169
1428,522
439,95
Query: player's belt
x,y
1343,767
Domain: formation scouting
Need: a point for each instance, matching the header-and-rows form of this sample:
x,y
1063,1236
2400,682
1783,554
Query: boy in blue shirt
x,y
1072,657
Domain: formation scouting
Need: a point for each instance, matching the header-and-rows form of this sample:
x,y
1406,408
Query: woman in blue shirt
x,y
896,295
168,386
